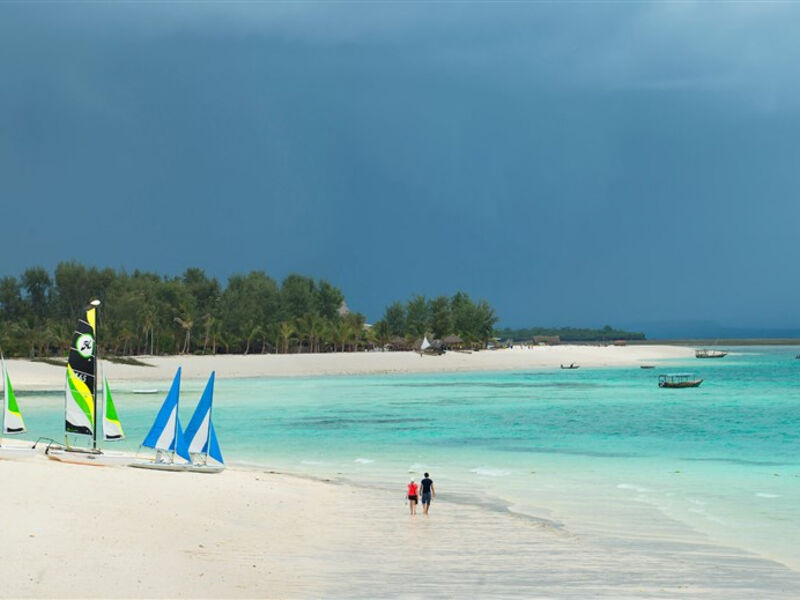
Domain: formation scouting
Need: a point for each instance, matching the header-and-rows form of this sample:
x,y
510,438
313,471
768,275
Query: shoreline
x,y
287,535
28,375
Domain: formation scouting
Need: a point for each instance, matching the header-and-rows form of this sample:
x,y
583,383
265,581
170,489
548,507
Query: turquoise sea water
x,y
723,458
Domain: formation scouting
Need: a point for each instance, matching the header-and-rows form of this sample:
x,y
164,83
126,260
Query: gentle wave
x,y
487,472
635,488
765,495
364,461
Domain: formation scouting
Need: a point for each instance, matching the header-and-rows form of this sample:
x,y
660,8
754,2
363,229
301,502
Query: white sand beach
x,y
87,532
75,531
102,532
34,375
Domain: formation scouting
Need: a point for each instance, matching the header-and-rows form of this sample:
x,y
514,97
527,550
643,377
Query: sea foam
x,y
487,472
630,486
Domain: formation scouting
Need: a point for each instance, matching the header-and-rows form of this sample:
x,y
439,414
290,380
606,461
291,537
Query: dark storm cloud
x,y
574,163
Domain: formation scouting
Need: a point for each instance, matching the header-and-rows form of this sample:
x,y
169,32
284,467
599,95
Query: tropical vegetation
x,y
471,322
570,334
143,313
146,313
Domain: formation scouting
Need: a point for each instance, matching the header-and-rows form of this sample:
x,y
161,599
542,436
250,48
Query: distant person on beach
x,y
412,497
427,492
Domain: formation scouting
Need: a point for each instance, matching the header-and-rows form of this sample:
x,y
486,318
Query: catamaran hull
x,y
17,453
87,457
158,466
173,467
206,469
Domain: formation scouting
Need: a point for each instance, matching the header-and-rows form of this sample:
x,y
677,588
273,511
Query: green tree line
x,y
570,334
437,317
145,313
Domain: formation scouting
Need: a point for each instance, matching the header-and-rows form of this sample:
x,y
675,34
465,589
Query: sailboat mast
x,y
208,436
5,396
175,431
96,306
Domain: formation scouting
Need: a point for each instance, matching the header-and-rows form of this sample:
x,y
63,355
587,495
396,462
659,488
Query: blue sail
x,y
213,446
180,446
166,432
200,432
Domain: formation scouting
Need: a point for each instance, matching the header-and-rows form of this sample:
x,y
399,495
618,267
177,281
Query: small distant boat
x,y
708,353
647,366
166,436
146,391
679,380
571,366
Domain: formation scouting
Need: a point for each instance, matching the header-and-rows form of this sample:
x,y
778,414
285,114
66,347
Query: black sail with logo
x,y
82,361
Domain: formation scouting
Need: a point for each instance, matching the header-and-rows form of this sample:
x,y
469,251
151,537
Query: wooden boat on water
x,y
707,353
647,366
679,380
571,366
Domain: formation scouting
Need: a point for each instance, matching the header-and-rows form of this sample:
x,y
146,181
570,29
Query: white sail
x,y
112,428
12,418
200,431
425,343
166,433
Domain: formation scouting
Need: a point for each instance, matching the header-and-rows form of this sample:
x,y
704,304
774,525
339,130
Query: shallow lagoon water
x,y
577,445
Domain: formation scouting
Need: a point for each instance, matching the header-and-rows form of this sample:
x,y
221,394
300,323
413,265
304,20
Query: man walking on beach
x,y
427,492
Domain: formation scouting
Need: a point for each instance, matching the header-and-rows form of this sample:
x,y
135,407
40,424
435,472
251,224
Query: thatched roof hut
x,y
399,343
452,340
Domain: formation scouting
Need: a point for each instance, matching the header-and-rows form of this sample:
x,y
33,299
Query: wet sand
x,y
74,531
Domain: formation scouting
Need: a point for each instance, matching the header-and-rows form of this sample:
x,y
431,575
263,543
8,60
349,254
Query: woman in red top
x,y
412,497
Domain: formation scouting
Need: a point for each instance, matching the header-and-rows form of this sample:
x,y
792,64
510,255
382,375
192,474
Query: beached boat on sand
x,y
177,450
166,436
201,436
84,415
571,366
12,420
679,380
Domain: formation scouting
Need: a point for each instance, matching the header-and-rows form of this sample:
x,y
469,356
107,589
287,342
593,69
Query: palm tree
x,y
341,333
287,330
303,326
126,336
253,330
38,335
187,326
148,318
356,323
216,333
208,322
316,327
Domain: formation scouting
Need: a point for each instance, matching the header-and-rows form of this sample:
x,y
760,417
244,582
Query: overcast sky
x,y
576,163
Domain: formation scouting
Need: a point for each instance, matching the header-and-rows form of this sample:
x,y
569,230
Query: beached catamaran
x,y
201,436
166,436
81,407
12,419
